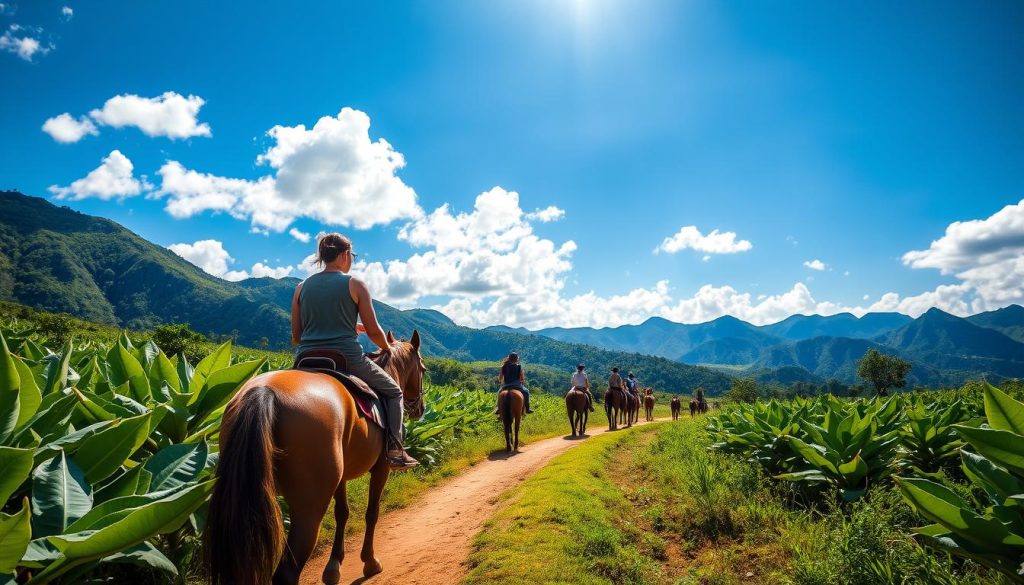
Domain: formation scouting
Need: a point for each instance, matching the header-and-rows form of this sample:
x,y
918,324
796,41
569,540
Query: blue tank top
x,y
328,314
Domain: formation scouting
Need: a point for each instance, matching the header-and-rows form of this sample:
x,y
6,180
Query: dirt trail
x,y
429,541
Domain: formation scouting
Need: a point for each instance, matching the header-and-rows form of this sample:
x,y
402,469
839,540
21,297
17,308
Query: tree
x,y
743,390
179,339
883,371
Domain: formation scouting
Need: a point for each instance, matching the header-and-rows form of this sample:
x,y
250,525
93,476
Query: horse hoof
x,y
372,568
332,575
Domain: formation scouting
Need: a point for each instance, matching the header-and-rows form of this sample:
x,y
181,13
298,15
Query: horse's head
x,y
405,365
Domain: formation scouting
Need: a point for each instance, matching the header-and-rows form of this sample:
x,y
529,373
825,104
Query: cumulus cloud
x,y
815,264
715,242
333,173
66,13
211,256
299,235
66,129
171,114
548,214
113,179
24,41
986,255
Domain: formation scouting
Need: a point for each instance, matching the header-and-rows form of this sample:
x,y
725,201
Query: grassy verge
x,y
562,525
652,505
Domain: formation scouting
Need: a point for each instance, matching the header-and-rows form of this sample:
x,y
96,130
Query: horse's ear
x,y
390,337
415,341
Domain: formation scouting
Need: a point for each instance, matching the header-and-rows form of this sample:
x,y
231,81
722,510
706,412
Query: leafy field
x,y
956,458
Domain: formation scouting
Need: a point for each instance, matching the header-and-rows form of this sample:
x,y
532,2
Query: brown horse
x,y
649,405
614,403
576,408
298,434
512,406
693,406
676,407
631,408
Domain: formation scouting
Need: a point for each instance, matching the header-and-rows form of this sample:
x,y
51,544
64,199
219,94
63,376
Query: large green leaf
x,y
125,368
812,455
15,534
144,555
1003,447
134,481
999,483
103,453
15,467
10,384
1003,413
218,360
111,511
60,495
176,465
222,384
29,396
940,504
69,442
141,524
57,370
164,372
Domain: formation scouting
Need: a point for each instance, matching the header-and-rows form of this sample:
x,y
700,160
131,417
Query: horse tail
x,y
244,532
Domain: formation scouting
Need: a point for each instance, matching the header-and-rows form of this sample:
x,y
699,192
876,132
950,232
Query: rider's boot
x,y
398,459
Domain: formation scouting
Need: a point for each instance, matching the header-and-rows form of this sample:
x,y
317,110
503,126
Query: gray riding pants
x,y
386,387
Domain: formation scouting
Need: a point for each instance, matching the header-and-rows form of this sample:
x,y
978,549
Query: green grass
x,y
653,505
561,525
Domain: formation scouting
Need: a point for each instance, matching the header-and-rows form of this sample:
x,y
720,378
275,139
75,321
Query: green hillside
x,y
63,261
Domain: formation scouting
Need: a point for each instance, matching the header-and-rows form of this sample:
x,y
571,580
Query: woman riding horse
x,y
299,434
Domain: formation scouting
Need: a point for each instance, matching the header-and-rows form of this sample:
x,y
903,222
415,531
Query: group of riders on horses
x,y
338,414
512,377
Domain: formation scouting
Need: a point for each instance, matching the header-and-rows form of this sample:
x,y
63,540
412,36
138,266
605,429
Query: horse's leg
x,y
378,479
583,421
570,410
332,572
517,433
306,511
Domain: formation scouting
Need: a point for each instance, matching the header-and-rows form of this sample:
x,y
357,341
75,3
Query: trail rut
x,y
429,541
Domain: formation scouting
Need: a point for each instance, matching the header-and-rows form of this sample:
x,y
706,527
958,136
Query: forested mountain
x,y
60,260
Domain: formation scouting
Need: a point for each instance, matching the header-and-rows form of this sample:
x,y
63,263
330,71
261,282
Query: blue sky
x,y
851,135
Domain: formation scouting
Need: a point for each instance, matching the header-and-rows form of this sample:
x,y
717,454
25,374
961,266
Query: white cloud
x,y
260,270
986,255
548,214
713,243
211,256
66,129
333,173
66,12
299,235
24,41
113,179
866,297
171,114
815,264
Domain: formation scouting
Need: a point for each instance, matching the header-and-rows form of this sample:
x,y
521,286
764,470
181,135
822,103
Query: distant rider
x,y
512,376
633,385
581,382
615,382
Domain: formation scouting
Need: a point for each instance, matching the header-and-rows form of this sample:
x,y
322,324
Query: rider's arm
x,y
522,375
361,295
296,317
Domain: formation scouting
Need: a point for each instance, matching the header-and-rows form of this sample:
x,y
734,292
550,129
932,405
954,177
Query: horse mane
x,y
393,360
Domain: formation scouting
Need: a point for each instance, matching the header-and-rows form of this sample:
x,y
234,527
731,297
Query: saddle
x,y
331,363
